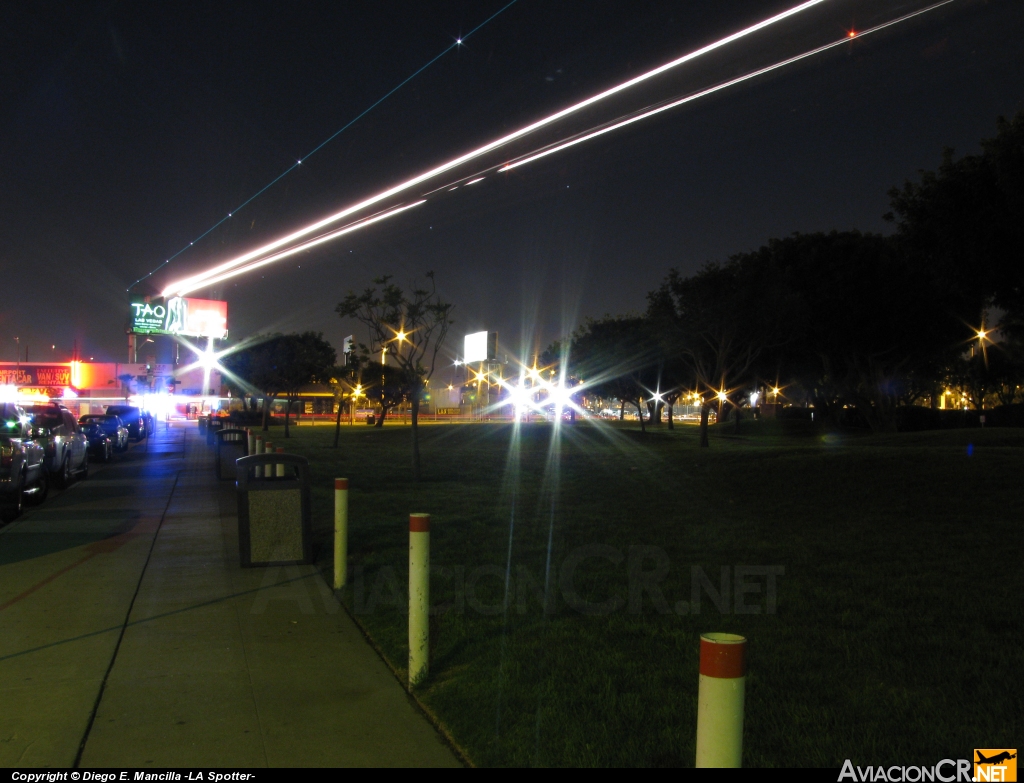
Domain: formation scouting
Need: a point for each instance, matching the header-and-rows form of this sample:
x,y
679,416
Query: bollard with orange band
x,y
258,470
268,448
419,596
720,700
279,473
340,532
251,438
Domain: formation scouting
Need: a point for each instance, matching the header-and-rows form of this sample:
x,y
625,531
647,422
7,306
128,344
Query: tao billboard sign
x,y
180,315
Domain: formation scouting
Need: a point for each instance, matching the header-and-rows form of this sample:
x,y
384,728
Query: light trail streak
x,y
186,288
206,278
459,42
717,88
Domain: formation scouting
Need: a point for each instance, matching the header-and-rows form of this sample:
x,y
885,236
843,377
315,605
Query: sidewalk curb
x,y
427,713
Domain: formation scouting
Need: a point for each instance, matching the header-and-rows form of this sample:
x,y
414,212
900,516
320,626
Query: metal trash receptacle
x,y
274,517
212,427
232,444
203,421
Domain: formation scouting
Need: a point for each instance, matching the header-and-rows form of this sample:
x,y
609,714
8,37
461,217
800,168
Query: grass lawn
x,y
895,635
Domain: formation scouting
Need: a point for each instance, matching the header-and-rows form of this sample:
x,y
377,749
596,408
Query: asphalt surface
x,y
131,637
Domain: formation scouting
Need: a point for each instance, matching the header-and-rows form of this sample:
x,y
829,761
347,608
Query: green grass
x,y
897,635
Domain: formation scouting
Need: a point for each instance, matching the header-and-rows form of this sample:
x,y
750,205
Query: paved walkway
x,y
130,636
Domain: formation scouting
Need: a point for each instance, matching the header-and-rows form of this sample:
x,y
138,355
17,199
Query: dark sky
x,y
128,130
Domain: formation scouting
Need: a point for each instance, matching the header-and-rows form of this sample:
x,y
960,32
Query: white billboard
x,y
480,347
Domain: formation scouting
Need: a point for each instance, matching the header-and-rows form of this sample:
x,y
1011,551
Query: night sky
x,y
128,130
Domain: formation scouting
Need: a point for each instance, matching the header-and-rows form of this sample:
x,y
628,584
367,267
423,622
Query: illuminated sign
x,y
480,347
36,375
181,315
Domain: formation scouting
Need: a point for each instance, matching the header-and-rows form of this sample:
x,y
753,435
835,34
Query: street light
x,y
355,401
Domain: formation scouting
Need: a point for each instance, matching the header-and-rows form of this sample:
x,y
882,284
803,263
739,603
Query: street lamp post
x,y
147,340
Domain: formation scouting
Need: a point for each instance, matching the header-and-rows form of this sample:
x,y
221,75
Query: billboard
x,y
480,347
181,315
36,375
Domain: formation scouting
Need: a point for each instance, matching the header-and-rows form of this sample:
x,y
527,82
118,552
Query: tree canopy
x,y
407,329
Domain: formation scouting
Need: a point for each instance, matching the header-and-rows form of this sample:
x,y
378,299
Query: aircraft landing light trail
x,y
290,244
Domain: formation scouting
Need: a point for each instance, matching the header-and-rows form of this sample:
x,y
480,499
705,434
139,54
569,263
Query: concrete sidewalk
x,y
220,666
68,573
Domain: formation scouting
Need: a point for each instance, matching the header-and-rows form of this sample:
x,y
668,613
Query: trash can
x,y
203,421
274,518
370,419
212,427
232,444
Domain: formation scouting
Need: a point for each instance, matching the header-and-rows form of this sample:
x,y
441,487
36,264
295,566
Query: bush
x,y
914,418
1005,416
250,419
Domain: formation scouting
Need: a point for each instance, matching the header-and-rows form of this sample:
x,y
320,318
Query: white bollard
x,y
419,597
251,448
340,532
258,470
280,465
720,700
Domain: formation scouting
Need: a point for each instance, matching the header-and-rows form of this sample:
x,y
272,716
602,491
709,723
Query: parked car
x,y
135,419
110,424
101,444
23,476
66,447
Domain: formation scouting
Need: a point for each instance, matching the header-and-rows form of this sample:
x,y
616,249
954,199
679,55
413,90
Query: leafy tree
x,y
865,326
126,384
301,360
346,381
616,356
717,323
256,365
281,364
964,224
238,364
412,326
388,385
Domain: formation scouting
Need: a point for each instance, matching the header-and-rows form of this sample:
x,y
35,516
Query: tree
x,y
281,364
238,364
865,326
411,326
256,364
126,384
718,322
346,380
389,385
964,223
301,360
617,357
